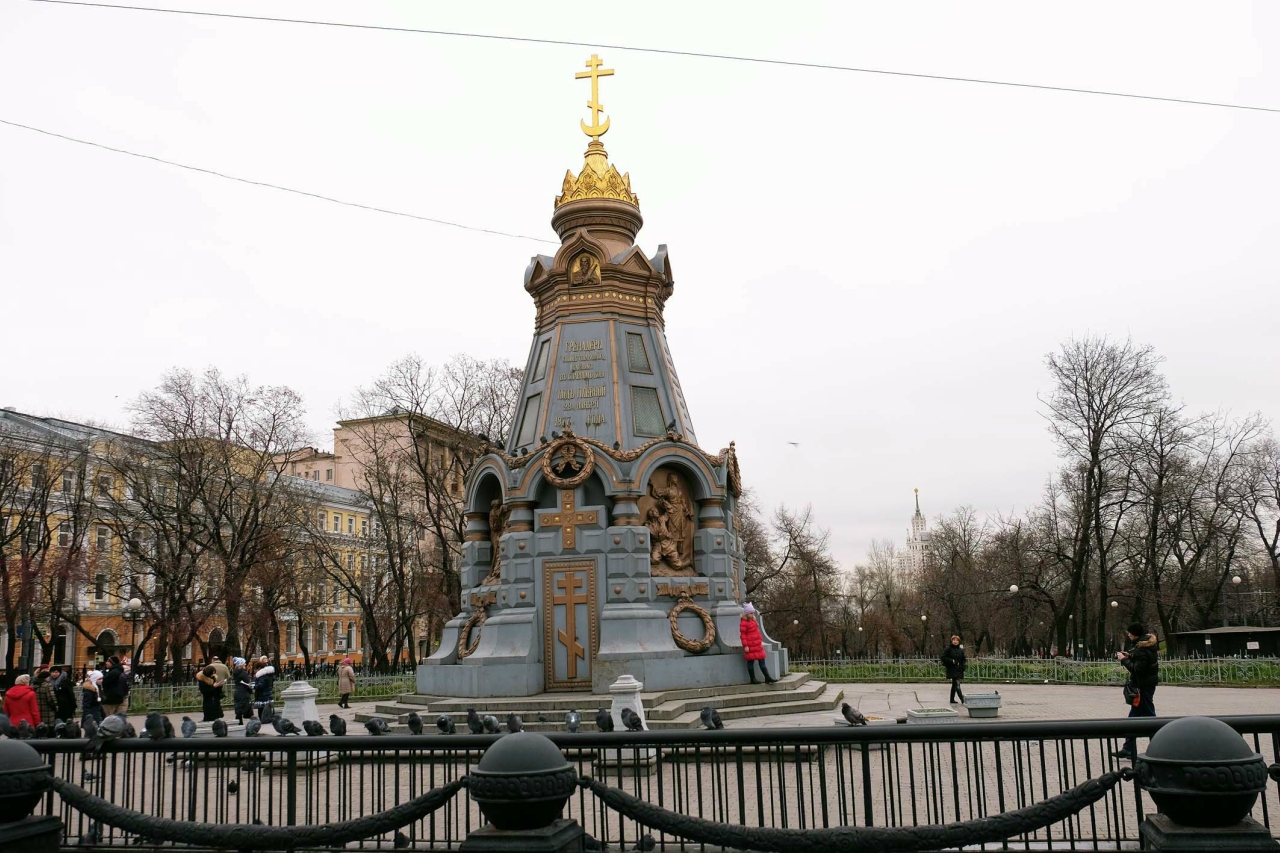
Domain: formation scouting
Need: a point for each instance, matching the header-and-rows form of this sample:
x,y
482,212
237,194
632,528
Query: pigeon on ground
x,y
43,732
188,727
153,727
112,728
6,725
337,725
90,777
646,844
711,718
266,713
604,720
415,723
573,722
542,718
25,732
852,715
129,730
59,729
313,728
491,725
71,731
474,722
402,840
93,834
632,720
514,723
90,727
377,726
589,842
233,787
251,729
445,724
284,726
219,728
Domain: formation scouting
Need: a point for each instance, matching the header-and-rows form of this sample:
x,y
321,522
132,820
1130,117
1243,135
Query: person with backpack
x,y
64,694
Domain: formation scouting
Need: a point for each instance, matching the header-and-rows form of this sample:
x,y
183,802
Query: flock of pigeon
x,y
157,726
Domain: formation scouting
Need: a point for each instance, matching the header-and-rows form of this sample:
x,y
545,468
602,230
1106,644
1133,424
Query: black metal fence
x,y
798,778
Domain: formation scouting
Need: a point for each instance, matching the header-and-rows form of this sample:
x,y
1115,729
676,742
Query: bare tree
x,y
1103,391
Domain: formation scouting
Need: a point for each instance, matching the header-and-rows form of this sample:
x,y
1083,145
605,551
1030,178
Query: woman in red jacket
x,y
20,702
753,644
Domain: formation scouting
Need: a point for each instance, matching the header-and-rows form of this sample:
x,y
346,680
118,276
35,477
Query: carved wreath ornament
x,y
466,647
568,461
697,647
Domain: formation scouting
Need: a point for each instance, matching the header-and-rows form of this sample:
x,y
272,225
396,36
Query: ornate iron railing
x,y
782,779
1195,671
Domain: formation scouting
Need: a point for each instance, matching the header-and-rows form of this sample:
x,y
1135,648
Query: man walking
x,y
1142,659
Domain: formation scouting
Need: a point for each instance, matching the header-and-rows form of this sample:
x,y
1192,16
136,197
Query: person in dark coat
x,y
210,694
242,695
45,697
954,661
264,683
64,694
114,687
91,696
1142,659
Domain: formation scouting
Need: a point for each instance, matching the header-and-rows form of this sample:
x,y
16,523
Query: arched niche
x,y
669,509
485,491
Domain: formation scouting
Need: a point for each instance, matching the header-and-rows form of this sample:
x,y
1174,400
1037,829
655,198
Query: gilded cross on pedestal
x,y
569,583
595,130
567,518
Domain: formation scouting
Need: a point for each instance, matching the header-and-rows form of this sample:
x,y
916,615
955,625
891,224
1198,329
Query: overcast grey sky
x,y
871,266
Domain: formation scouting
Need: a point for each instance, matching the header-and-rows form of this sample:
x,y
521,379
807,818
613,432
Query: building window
x,y
291,639
328,474
646,412
64,535
351,566
323,519
364,527
337,522
104,538
453,487
105,484
540,364
38,474
637,357
68,482
529,425
351,524
99,587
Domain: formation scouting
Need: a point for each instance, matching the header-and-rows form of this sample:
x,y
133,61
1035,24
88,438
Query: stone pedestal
x,y
31,835
626,694
563,836
1159,833
300,703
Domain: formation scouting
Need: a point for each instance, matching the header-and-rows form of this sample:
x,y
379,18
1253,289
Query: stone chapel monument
x,y
600,539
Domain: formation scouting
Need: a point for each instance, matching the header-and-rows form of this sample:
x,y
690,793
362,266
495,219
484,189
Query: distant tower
x,y
912,559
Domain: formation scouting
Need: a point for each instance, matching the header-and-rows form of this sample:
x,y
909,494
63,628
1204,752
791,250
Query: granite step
x,y
803,695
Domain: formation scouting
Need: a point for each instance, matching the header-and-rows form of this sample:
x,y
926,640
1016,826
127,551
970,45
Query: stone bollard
x,y
1204,780
626,694
24,778
522,784
300,702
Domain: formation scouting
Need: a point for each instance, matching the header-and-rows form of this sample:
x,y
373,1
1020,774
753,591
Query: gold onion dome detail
x,y
598,179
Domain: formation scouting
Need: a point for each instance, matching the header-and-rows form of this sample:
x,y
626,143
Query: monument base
x,y
1159,833
563,836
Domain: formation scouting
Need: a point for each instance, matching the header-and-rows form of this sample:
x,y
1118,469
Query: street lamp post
x,y
1236,581
133,612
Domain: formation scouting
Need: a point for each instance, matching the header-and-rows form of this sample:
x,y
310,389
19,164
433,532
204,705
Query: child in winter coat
x,y
753,644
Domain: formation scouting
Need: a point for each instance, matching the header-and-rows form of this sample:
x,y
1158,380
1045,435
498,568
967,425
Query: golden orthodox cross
x,y
567,519
595,130
568,583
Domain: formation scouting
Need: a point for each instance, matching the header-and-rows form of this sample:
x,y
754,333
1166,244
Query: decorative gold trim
x,y
696,647
617,398
568,448
549,572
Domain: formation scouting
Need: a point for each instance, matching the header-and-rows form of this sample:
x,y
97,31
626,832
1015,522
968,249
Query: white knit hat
x,y
748,608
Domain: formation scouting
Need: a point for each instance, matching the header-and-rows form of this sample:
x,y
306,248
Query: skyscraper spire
x,y
917,501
